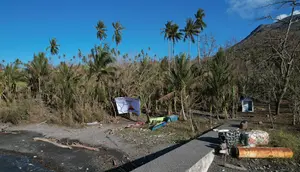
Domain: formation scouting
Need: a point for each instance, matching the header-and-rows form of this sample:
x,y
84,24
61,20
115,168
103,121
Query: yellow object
x,y
156,120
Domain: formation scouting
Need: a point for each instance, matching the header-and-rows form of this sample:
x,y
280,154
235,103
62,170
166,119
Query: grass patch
x,y
174,132
289,139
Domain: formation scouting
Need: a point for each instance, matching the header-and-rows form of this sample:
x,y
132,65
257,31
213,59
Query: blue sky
x,y
27,25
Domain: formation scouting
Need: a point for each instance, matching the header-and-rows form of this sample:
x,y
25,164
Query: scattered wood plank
x,y
235,167
52,142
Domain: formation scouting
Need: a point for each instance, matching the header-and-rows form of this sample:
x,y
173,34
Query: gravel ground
x,y
254,165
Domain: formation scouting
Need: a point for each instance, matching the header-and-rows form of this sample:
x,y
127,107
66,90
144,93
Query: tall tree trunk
x,y
169,53
278,103
270,114
39,89
169,107
175,102
269,108
190,48
173,49
191,120
294,112
233,103
182,105
211,117
198,47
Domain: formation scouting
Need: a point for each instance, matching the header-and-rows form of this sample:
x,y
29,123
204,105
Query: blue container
x,y
172,118
155,127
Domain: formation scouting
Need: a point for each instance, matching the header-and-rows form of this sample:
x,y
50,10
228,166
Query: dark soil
x,y
253,165
18,152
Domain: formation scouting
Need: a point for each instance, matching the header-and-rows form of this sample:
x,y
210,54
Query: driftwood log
x,y
76,145
52,142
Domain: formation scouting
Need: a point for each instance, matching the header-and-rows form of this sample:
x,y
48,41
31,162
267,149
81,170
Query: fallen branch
x,y
76,145
235,167
52,142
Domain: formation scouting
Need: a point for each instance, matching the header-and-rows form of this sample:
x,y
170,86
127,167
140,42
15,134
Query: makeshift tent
x,y
127,105
247,105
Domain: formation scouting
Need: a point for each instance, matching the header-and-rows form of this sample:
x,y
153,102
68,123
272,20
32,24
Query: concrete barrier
x,y
194,156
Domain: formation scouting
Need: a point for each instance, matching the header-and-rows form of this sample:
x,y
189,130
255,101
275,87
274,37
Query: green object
x,y
157,120
244,139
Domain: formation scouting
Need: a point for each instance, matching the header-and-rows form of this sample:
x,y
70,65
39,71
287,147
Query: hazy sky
x,y
27,25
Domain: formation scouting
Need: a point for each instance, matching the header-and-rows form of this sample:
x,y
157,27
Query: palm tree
x,y
181,79
117,37
54,47
166,31
37,70
190,30
99,66
174,35
218,81
101,30
66,81
10,76
201,25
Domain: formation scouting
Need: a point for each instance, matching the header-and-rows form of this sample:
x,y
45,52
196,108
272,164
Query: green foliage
x,y
219,79
66,81
54,47
199,19
101,30
190,30
10,76
118,28
37,70
181,74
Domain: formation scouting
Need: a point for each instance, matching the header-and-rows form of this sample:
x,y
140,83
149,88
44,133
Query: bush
x,y
13,114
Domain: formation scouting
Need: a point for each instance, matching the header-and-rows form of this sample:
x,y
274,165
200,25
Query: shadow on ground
x,y
141,161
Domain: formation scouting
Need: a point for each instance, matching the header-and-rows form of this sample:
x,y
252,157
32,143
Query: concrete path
x,y
196,155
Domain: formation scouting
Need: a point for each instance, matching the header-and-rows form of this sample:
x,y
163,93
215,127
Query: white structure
x,y
247,105
127,104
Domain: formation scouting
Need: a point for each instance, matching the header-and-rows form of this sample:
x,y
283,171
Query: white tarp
x,y
127,104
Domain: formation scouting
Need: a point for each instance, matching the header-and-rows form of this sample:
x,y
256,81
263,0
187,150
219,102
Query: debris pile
x,y
243,144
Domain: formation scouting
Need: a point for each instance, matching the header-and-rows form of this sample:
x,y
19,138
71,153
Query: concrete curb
x,y
194,156
203,164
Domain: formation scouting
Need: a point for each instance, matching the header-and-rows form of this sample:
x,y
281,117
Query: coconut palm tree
x,y
101,30
99,66
54,47
174,35
190,30
37,70
201,25
181,79
166,31
99,63
218,81
117,37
